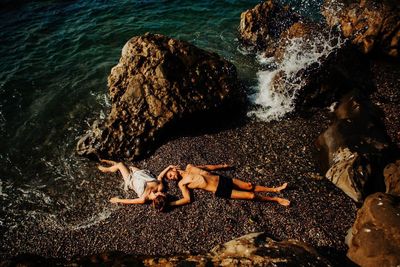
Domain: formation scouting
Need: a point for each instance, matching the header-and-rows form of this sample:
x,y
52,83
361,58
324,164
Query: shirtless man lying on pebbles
x,y
200,177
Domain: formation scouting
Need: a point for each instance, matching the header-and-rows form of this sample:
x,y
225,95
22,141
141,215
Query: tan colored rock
x,y
374,239
367,23
350,173
157,82
392,178
258,249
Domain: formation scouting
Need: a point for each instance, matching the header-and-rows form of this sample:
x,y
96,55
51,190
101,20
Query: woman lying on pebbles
x,y
199,177
146,186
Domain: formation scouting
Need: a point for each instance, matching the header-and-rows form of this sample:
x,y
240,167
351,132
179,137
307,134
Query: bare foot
x,y
280,188
114,200
283,202
102,168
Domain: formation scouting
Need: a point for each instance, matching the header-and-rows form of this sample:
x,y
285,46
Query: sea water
x,y
55,59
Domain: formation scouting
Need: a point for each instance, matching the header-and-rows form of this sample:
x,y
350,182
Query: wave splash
x,y
274,100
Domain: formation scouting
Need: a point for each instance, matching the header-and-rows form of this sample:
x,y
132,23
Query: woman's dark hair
x,y
160,203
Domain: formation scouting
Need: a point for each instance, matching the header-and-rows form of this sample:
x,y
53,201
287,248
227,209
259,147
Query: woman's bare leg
x,y
257,188
116,166
236,194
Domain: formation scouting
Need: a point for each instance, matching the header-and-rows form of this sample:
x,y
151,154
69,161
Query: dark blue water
x,y
55,59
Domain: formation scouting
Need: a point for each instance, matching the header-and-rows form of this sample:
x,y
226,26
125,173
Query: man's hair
x,y
160,203
165,174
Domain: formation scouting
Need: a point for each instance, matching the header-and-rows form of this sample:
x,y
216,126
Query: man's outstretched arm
x,y
186,196
208,167
163,172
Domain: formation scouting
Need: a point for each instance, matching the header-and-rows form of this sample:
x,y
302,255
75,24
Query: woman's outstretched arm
x,y
127,200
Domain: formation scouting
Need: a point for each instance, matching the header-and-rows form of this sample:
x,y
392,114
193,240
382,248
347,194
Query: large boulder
x,y
354,148
255,249
367,23
158,82
350,172
392,178
374,239
261,26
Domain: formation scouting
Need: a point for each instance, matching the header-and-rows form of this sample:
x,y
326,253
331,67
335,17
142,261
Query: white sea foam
x,y
299,54
2,194
93,220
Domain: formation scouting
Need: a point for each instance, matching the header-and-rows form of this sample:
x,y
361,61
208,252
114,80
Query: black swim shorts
x,y
224,188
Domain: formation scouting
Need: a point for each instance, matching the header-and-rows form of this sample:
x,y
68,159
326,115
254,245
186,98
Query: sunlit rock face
x,y
369,24
374,239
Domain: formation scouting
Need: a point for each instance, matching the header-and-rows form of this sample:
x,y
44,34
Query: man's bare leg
x,y
242,185
282,201
236,194
257,188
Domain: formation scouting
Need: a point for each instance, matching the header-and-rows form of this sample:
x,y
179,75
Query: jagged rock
x,y
258,249
255,249
302,36
392,178
157,82
308,64
353,149
350,172
261,26
374,239
367,23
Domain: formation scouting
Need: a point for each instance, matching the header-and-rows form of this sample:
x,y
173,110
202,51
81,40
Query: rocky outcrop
x,y
157,82
261,26
250,250
392,178
354,148
313,64
258,249
350,172
374,239
369,24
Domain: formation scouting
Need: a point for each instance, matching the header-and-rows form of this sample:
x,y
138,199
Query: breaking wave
x,y
272,101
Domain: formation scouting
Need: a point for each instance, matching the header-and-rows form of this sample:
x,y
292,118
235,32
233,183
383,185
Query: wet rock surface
x,y
255,249
370,25
157,82
261,26
374,239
